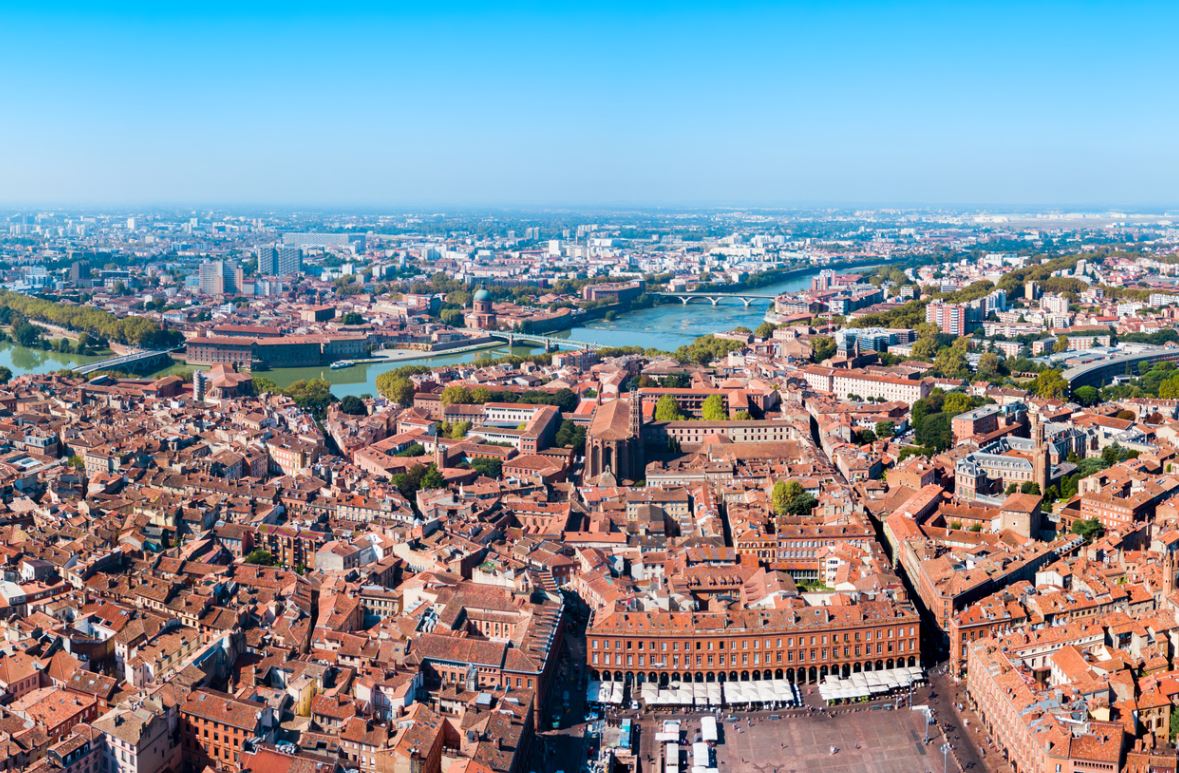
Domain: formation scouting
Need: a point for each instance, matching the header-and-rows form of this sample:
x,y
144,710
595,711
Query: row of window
x,y
769,643
815,654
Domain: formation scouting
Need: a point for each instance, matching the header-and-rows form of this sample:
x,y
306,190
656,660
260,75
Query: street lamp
x,y
945,757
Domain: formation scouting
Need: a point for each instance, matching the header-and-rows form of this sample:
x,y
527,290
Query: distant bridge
x,y
135,359
549,343
716,298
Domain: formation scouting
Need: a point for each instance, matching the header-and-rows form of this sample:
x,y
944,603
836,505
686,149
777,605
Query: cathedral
x,y
613,444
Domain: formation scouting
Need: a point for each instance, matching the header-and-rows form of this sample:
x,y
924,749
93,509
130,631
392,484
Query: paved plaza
x,y
884,741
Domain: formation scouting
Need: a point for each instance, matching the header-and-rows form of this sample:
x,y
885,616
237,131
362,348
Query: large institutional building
x,y
803,644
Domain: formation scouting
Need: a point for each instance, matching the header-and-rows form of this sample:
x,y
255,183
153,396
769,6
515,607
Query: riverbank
x,y
664,326
761,280
398,355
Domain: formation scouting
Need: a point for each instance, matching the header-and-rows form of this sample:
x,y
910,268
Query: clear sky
x,y
553,103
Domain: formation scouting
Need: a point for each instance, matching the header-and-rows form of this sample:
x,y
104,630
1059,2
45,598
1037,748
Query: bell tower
x,y
1041,462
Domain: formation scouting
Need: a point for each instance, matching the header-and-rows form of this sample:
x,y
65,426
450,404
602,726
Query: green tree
x,y
451,317
458,429
27,334
1029,487
790,498
667,409
353,406
803,504
395,388
927,405
989,366
885,429
312,395
704,350
780,497
260,557
933,431
1090,529
571,435
1050,384
713,408
1169,388
352,318
956,403
432,478
765,330
5,374
488,467
926,345
455,394
822,348
951,361
1087,395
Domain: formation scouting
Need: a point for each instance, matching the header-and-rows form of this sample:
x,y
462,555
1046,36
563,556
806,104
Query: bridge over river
x,y
716,298
548,342
134,360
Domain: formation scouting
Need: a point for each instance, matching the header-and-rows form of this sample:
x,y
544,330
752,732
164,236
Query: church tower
x,y
1041,461
636,415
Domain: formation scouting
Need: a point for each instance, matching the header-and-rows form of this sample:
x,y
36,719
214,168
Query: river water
x,y
21,360
665,327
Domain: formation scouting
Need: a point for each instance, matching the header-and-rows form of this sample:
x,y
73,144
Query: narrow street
x,y
969,747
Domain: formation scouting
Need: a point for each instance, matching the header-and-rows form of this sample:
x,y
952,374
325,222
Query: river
x,y
665,327
21,359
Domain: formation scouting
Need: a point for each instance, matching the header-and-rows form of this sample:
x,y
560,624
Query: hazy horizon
x,y
594,106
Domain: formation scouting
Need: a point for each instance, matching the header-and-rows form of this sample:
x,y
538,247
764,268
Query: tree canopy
x,y
713,408
132,330
822,348
788,497
1050,384
705,349
667,409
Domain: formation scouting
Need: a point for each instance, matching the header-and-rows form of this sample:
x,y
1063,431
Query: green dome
x,y
482,295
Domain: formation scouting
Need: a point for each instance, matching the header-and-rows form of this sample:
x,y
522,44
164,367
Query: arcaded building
x,y
803,644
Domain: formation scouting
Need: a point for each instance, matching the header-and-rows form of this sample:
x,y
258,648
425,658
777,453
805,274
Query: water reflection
x,y
665,327
21,359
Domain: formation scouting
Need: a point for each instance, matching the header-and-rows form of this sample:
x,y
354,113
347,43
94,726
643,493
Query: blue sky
x,y
555,104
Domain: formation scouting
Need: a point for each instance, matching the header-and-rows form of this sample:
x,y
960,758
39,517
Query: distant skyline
x,y
519,105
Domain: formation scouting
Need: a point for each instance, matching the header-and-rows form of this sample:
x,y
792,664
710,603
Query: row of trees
x,y
705,349
453,394
313,395
136,331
